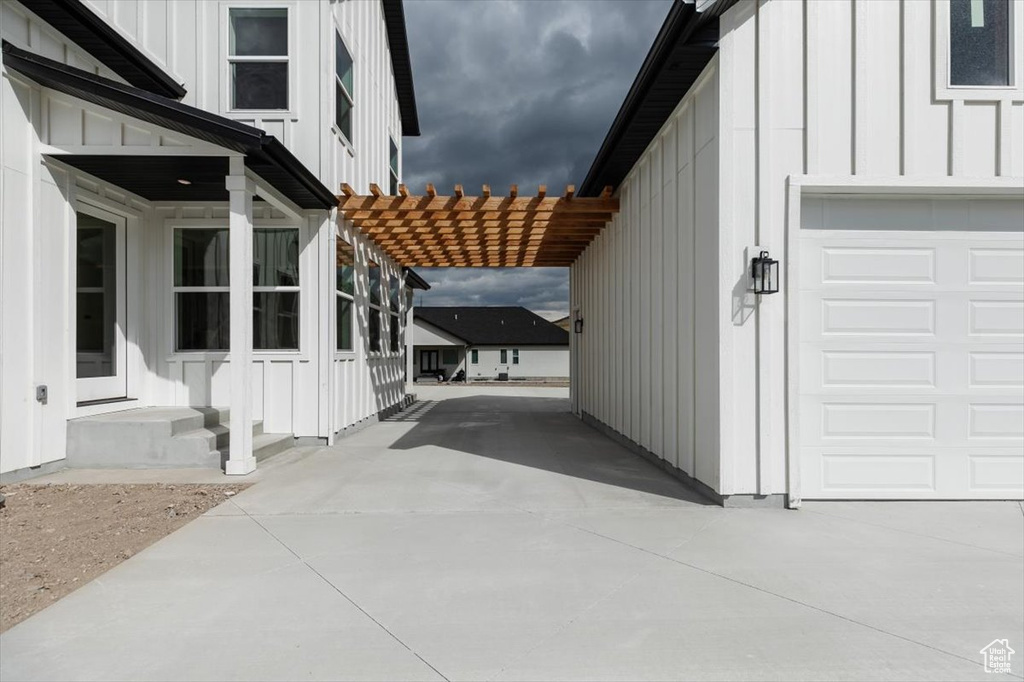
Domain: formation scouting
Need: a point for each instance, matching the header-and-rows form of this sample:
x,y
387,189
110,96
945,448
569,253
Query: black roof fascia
x,y
102,41
265,154
684,46
401,65
414,281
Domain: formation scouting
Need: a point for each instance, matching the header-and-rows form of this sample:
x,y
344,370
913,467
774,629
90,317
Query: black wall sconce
x,y
578,325
764,270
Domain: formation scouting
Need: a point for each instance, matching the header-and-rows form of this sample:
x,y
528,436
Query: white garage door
x,y
911,349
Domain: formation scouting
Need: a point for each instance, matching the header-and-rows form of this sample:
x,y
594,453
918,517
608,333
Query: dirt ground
x,y
56,538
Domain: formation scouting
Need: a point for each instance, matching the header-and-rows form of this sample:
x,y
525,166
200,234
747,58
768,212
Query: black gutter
x,y
414,281
102,41
401,65
171,114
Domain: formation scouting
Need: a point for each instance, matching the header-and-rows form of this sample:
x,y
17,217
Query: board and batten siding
x,y
646,362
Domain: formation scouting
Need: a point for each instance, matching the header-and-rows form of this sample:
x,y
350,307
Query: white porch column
x,y
241,190
410,331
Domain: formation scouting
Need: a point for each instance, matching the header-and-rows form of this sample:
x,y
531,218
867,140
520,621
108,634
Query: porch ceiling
x,y
479,231
156,178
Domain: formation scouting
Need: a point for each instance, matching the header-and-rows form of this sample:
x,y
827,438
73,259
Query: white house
x,y
488,343
169,234
875,150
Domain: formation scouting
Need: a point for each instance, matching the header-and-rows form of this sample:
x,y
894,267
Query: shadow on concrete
x,y
534,432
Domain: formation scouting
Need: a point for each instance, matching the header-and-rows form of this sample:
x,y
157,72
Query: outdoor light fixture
x,y
578,325
183,181
764,270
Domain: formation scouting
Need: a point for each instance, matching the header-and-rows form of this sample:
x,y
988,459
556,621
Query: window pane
x,y
979,42
394,186
345,267
394,291
344,323
393,329
258,32
275,255
201,258
515,356
394,156
203,321
259,85
343,113
474,356
450,356
374,331
504,356
343,64
96,311
275,320
374,283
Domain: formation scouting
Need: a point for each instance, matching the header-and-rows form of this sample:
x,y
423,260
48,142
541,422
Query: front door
x,y
428,361
100,309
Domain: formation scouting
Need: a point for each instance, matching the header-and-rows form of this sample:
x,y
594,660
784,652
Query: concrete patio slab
x,y
490,535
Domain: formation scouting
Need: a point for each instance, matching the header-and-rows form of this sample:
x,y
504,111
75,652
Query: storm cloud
x,y
517,91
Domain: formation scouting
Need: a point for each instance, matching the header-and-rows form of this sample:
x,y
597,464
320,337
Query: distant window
x,y
374,297
979,42
474,356
344,289
515,356
393,166
504,356
450,356
258,58
394,293
343,87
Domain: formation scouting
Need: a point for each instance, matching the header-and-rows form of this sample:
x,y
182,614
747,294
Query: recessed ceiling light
x,y
183,181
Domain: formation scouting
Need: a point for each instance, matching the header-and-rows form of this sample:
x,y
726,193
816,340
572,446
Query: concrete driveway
x,y
487,534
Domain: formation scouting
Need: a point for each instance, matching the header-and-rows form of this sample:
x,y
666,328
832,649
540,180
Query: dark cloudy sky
x,y
517,91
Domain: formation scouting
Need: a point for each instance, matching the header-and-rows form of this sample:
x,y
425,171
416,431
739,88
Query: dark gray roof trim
x,y
102,41
401,64
494,325
414,281
264,153
683,48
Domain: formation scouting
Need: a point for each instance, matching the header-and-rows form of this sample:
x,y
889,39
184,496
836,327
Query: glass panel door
x,y
100,307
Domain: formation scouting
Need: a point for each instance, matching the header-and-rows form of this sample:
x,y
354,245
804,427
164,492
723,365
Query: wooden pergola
x,y
480,231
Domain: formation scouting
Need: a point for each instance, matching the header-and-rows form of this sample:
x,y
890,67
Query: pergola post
x,y
241,190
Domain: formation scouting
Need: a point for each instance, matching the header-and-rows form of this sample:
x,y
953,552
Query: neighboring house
x,y
878,156
564,322
169,234
488,343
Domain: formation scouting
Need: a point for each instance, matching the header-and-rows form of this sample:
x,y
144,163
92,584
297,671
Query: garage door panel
x,y
910,350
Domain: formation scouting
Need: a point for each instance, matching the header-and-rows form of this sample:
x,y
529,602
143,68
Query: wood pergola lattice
x,y
480,231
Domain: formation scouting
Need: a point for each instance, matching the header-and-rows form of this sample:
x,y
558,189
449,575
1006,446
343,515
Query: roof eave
x,y
401,65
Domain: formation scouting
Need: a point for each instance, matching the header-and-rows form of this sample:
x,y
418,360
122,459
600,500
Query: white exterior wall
x,y
646,363
535,362
293,392
813,96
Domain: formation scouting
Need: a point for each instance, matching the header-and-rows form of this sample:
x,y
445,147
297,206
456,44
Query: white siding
x,y
647,292
535,362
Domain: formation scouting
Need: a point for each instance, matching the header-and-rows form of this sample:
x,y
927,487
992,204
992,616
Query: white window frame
x,y
227,59
351,298
503,356
297,289
393,171
174,353
946,92
515,356
350,96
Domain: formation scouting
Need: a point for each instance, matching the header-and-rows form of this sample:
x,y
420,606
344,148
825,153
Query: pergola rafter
x,y
478,231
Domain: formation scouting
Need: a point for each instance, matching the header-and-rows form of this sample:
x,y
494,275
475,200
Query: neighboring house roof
x,y
401,65
493,326
94,35
414,281
148,176
683,48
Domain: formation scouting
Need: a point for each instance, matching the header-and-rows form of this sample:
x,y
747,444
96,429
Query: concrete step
x,y
160,438
266,445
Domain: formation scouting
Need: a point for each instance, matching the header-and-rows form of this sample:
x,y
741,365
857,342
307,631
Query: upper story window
x,y
258,58
979,42
343,87
393,166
